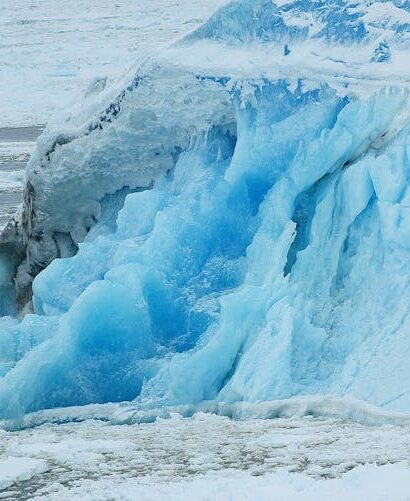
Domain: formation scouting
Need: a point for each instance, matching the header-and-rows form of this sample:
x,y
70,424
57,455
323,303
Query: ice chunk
x,y
17,469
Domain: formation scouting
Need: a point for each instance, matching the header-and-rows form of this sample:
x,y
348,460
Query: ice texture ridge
x,y
230,224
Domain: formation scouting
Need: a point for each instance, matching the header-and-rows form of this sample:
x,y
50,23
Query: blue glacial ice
x,y
235,235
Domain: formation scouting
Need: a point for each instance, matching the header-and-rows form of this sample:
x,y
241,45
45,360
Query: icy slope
x,y
241,212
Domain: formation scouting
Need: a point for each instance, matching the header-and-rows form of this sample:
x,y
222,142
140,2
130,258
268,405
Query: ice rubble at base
x,y
365,482
262,247
207,455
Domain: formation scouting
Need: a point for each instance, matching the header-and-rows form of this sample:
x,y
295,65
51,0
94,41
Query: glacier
x,y
229,222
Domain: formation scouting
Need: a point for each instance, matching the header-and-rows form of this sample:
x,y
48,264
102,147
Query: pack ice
x,y
228,222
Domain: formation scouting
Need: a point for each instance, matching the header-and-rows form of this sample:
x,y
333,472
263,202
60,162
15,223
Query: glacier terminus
x,y
224,229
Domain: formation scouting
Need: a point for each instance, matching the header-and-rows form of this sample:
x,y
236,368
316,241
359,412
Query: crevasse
x,y
252,245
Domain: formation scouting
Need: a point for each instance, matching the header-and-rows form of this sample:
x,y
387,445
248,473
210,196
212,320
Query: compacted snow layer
x,y
207,457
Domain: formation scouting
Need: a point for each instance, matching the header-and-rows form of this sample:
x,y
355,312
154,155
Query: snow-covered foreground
x,y
207,457
49,54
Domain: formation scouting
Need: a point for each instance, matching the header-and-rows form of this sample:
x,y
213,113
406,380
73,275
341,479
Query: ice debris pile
x,y
230,224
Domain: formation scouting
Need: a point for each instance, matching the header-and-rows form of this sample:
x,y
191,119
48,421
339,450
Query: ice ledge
x,y
321,406
349,72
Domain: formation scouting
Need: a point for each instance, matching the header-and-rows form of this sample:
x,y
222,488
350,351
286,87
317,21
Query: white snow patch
x,y
18,469
382,12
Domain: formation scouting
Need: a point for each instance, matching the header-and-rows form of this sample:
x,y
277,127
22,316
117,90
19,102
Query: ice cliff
x,y
231,223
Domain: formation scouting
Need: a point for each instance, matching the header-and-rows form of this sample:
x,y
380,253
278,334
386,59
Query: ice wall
x,y
240,238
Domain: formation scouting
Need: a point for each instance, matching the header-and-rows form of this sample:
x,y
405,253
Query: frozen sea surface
x,y
49,55
206,457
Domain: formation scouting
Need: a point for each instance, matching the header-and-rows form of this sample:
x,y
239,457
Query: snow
x,y
389,483
386,13
211,457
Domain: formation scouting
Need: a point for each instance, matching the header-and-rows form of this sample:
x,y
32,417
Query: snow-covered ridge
x,y
223,214
336,22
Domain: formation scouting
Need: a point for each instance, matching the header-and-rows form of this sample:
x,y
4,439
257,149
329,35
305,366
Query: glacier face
x,y
225,229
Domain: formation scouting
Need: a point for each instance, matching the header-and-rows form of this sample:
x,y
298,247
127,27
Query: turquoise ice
x,y
267,257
